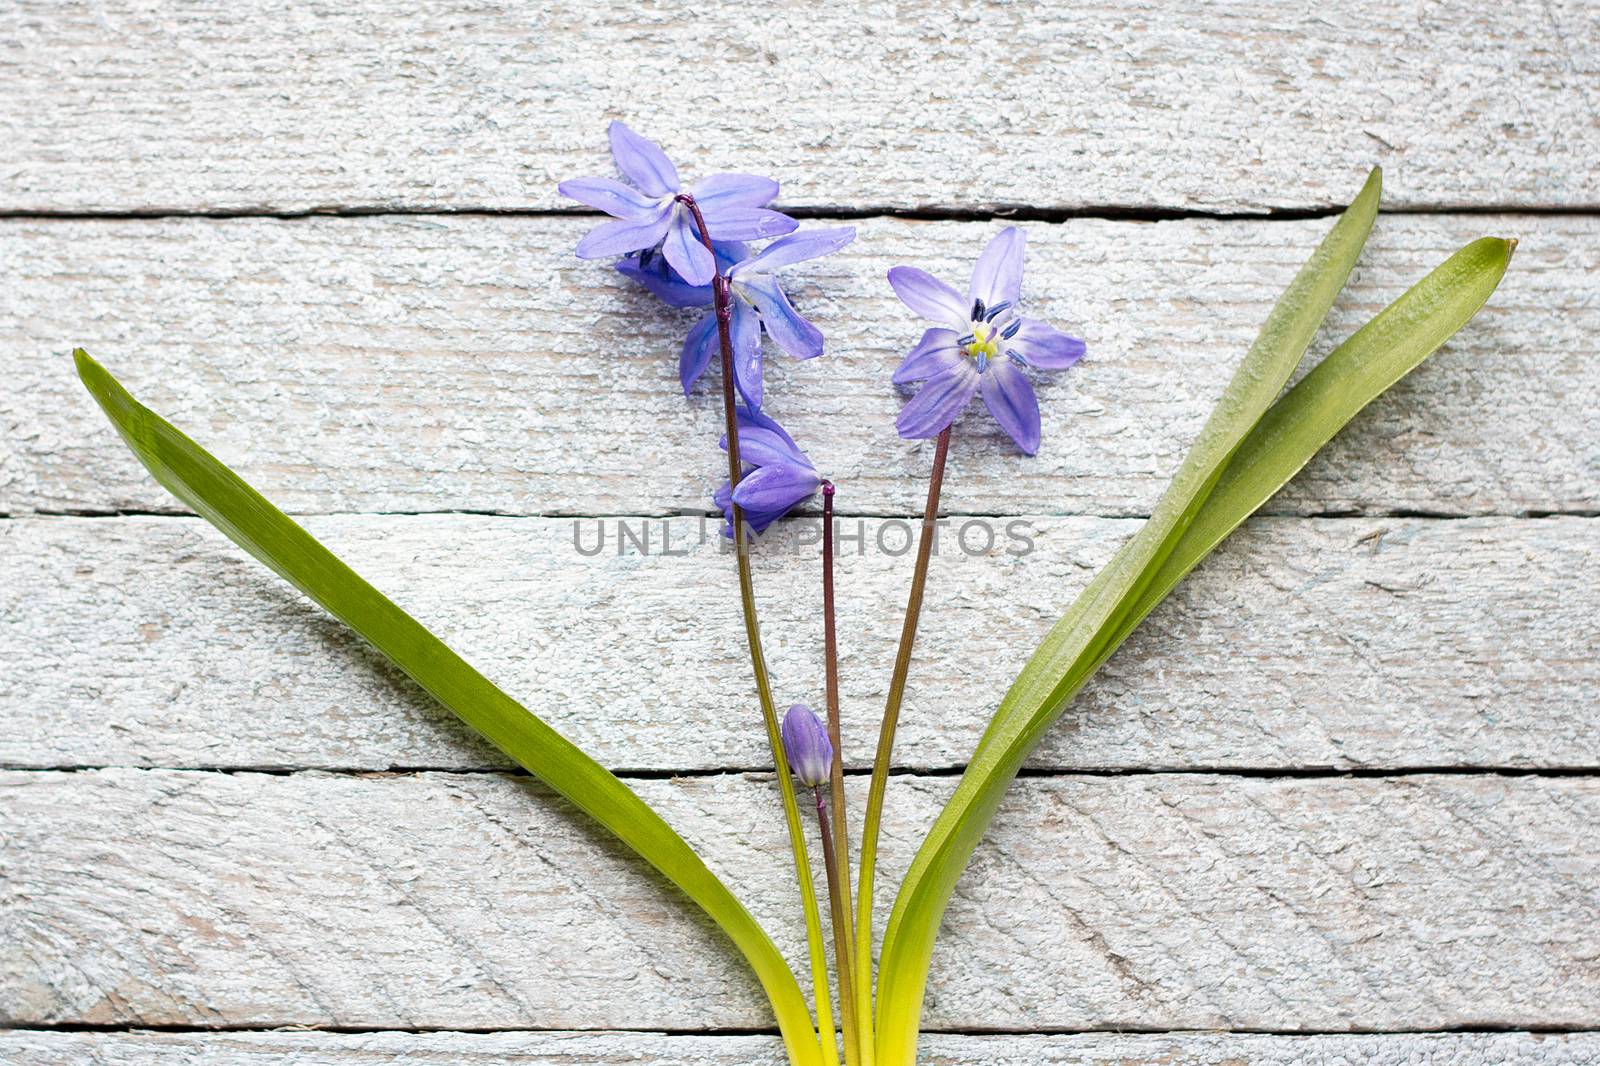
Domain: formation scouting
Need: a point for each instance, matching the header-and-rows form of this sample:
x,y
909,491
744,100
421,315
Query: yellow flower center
x,y
985,341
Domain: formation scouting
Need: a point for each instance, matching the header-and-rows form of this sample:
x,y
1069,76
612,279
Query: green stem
x,y
841,934
855,1035
891,716
758,661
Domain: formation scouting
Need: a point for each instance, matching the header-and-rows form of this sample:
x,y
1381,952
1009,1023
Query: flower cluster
x,y
981,343
664,251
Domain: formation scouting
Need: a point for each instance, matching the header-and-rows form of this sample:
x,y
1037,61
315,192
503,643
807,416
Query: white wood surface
x,y
474,900
616,1049
1334,642
424,364
123,105
1343,790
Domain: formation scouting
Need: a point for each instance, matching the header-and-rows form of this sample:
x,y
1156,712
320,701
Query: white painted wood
x,y
421,364
1334,642
121,105
35,1048
448,900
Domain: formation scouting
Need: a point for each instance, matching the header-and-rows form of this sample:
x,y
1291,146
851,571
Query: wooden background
x,y
1338,801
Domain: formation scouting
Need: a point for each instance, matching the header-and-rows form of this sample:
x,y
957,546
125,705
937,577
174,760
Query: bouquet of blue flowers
x,y
700,247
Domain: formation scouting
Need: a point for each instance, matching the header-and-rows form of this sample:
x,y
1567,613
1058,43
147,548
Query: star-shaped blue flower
x,y
982,345
648,212
760,305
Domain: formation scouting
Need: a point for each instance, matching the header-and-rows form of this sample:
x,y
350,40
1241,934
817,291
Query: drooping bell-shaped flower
x,y
982,344
805,742
778,479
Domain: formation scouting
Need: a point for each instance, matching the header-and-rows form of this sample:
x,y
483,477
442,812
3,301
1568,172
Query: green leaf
x,y
1086,634
1376,356
250,521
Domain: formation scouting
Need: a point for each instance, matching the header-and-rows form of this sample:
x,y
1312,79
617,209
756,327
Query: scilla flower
x,y
981,344
782,476
805,742
759,304
652,271
648,212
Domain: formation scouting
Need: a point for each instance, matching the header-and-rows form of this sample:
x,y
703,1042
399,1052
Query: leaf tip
x,y
1373,186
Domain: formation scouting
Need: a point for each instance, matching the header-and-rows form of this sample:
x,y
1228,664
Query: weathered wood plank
x,y
405,364
1334,642
475,901
1238,106
41,1048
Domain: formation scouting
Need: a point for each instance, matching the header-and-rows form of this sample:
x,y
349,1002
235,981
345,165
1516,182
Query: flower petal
x,y
935,353
698,348
1044,346
998,276
782,322
685,253
929,297
733,190
664,284
762,442
730,254
642,161
796,248
769,493
1010,399
624,235
746,334
938,402
746,223
610,196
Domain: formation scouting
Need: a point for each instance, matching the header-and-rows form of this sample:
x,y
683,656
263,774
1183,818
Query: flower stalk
x,y
891,717
723,306
838,894
836,850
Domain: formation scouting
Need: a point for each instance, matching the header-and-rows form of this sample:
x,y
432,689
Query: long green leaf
x,y
250,521
1376,356
1079,640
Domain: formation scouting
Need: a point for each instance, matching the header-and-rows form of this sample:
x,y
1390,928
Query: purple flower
x,y
805,742
648,212
759,304
651,270
782,476
983,343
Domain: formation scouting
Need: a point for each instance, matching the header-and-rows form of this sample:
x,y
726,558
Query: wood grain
x,y
447,900
427,364
462,361
37,1048
1338,642
1240,106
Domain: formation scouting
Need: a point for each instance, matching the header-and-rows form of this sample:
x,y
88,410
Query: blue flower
x,y
983,344
806,744
652,271
782,476
759,304
648,212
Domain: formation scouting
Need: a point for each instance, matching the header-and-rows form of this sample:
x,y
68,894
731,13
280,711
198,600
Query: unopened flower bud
x,y
805,741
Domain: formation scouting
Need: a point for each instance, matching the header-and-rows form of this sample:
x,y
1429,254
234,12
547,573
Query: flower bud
x,y
805,741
